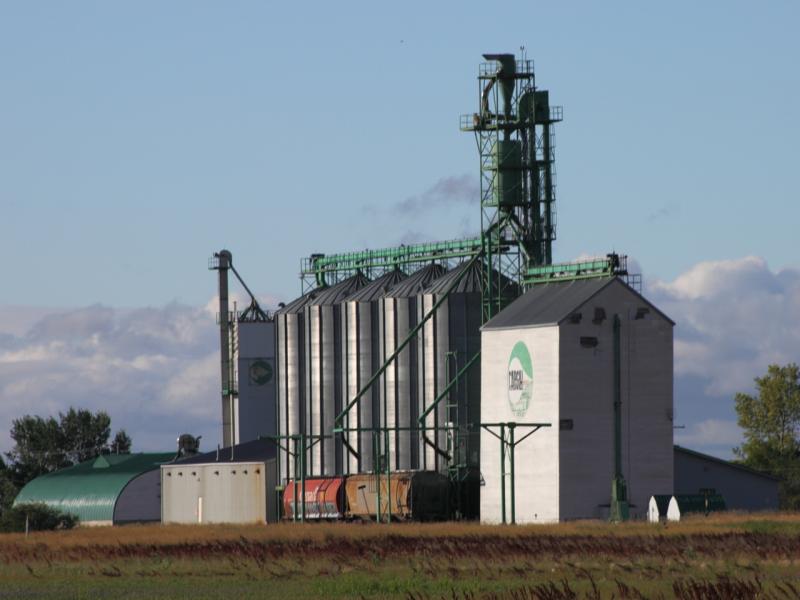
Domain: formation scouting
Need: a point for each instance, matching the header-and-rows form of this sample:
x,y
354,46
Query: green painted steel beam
x,y
448,387
390,256
607,266
411,335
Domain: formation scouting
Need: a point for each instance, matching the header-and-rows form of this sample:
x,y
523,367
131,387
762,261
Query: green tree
x,y
38,448
8,491
44,445
122,443
771,423
85,434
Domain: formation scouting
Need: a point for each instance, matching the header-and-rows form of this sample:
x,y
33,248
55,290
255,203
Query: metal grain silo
x,y
325,349
451,338
291,360
400,382
362,324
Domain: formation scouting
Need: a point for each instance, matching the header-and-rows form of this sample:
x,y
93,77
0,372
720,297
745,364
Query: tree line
x,y
771,423
43,445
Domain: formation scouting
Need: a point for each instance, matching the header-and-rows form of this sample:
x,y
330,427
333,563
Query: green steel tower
x,y
514,132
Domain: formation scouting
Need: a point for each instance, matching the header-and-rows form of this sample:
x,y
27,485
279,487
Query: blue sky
x,y
135,139
138,138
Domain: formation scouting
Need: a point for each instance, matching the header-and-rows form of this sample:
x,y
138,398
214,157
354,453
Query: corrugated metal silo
x,y
291,375
450,339
325,350
400,381
362,324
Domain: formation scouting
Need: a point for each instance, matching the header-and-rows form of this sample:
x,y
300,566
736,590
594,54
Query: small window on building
x,y
588,341
575,318
599,315
641,312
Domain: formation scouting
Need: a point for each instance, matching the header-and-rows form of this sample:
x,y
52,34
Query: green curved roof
x,y
90,489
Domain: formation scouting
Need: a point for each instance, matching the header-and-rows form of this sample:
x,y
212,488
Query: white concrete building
x,y
549,358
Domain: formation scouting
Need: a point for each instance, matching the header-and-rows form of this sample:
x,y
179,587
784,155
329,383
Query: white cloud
x,y
710,433
734,318
154,370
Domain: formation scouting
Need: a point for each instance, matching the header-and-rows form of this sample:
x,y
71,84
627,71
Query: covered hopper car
x,y
324,499
406,495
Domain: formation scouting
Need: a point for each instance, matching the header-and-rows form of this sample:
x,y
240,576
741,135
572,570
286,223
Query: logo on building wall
x,y
260,372
520,379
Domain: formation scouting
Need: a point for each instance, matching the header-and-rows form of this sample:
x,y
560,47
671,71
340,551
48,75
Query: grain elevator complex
x,y
471,378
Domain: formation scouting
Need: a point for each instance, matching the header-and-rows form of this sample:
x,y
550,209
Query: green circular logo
x,y
260,372
520,379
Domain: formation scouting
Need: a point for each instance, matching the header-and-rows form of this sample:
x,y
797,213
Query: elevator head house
x,y
573,354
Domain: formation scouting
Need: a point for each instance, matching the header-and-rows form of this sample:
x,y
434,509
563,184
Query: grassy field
x,y
726,556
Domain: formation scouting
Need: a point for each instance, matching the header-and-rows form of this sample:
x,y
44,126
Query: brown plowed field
x,y
731,556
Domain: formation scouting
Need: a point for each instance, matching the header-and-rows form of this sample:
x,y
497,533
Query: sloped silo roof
x,y
417,282
471,282
377,288
90,490
297,305
338,292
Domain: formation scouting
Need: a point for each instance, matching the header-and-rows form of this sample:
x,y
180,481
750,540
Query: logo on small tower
x,y
520,379
260,372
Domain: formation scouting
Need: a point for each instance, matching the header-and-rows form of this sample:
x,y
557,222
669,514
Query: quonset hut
x,y
111,489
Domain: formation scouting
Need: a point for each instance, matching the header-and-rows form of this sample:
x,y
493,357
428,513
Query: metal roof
x,y
415,284
253,451
90,489
552,303
547,304
378,288
297,305
336,293
726,463
471,282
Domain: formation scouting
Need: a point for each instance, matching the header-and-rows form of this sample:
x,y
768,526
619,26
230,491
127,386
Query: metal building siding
x,y
537,458
587,396
90,489
230,493
292,371
140,500
647,396
586,390
256,401
741,488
